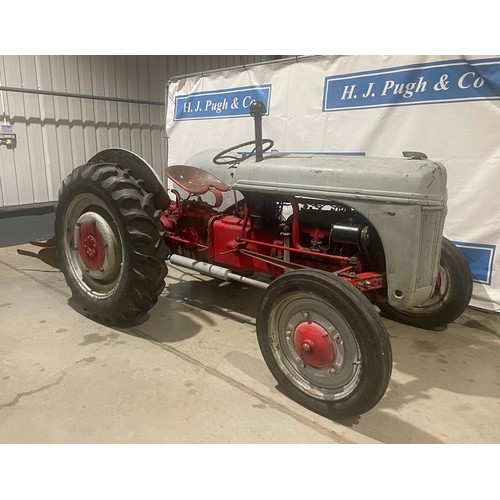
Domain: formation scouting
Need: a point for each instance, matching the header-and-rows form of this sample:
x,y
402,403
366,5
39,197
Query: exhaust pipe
x,y
257,110
214,271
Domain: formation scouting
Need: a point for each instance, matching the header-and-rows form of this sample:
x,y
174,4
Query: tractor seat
x,y
194,180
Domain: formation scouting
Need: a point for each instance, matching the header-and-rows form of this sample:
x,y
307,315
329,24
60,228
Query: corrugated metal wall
x,y
57,133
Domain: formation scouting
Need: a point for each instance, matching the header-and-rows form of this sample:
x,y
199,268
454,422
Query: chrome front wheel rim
x,y
334,372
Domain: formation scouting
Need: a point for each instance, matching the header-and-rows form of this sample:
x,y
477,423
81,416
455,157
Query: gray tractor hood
x,y
392,180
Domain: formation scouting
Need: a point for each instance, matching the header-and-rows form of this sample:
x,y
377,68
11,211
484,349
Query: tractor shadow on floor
x,y
228,299
436,374
47,253
191,303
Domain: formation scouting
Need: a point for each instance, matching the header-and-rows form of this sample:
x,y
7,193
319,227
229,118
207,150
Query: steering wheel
x,y
223,158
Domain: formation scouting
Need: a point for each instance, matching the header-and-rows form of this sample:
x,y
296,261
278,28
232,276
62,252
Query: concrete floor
x,y
191,371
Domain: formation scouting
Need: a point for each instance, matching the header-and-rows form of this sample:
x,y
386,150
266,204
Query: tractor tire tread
x,y
141,231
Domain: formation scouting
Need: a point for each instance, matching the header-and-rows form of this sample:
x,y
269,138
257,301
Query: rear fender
x,y
140,169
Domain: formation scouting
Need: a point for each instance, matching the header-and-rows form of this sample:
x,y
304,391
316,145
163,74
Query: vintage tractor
x,y
337,235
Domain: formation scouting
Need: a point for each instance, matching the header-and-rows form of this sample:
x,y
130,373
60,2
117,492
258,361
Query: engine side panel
x,y
223,237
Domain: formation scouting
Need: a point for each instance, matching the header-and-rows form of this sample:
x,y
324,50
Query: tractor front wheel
x,y
451,296
324,343
109,243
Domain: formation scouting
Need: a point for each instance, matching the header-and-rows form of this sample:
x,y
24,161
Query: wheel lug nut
x,y
333,370
306,347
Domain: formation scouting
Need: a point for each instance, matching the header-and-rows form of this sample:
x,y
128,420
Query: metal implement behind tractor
x,y
337,234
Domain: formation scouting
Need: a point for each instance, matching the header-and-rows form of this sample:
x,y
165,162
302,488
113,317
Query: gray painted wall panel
x,y
97,73
1,190
61,116
133,109
111,107
77,143
57,133
88,111
48,126
20,155
34,130
121,90
156,112
7,170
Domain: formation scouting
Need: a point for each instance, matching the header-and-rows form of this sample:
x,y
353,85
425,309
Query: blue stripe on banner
x,y
224,103
429,83
480,259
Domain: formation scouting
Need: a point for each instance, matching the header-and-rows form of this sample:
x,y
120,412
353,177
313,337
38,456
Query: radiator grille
x,y
430,246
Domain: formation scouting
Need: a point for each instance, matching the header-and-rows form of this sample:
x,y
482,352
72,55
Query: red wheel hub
x,y
91,246
314,345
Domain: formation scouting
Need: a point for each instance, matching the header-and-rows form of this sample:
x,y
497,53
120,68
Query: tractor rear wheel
x,y
324,343
109,242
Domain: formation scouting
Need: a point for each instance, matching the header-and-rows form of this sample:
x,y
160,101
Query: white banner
x,y
444,106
